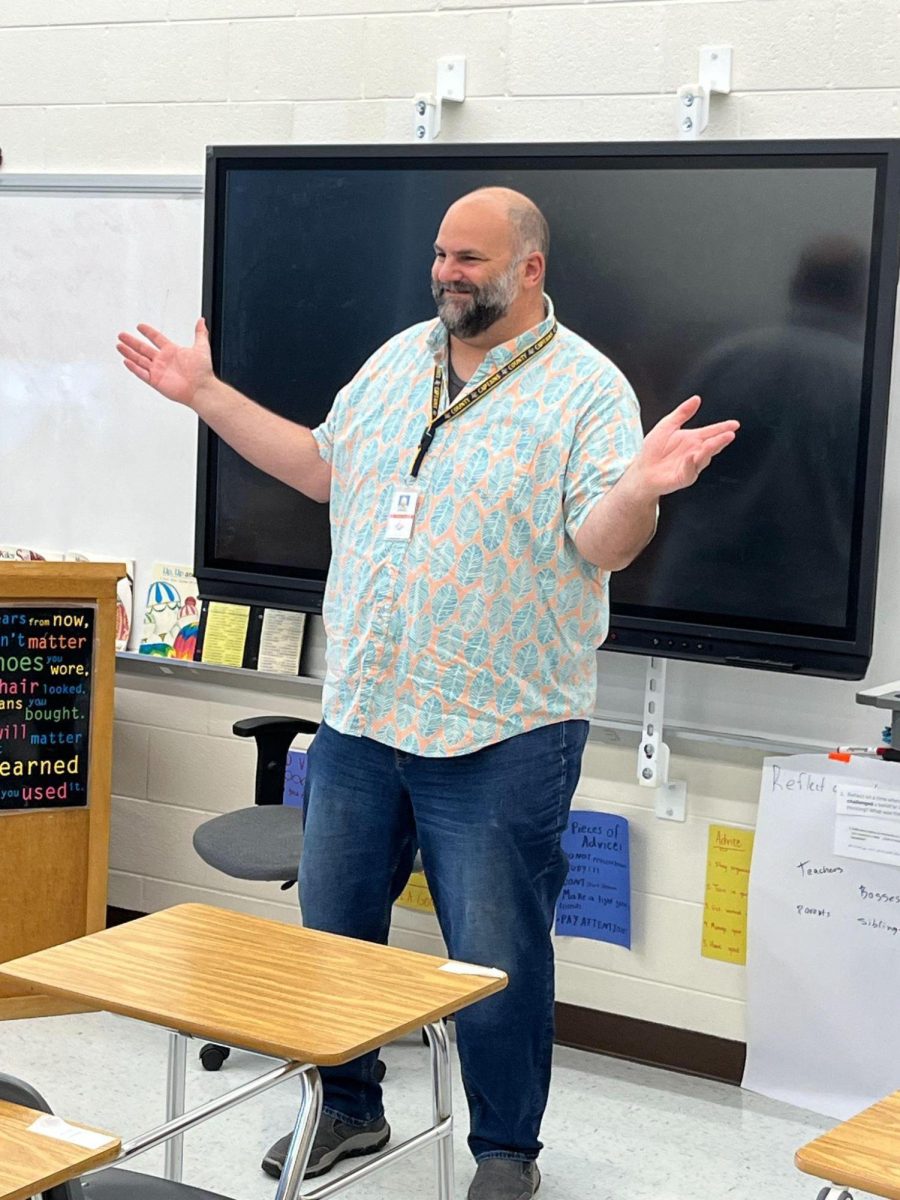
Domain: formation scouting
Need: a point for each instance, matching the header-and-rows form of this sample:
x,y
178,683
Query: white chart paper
x,y
823,962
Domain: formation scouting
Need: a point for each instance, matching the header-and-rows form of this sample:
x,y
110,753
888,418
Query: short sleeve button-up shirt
x,y
485,623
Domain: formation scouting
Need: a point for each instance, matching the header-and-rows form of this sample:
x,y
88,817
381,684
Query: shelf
x,y
131,666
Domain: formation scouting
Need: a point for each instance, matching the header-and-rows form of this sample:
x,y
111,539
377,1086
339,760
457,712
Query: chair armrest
x,y
273,740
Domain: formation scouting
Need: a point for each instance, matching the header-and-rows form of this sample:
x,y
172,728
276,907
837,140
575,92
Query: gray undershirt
x,y
454,384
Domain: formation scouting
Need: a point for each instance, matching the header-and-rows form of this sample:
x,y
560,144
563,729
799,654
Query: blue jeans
x,y
489,826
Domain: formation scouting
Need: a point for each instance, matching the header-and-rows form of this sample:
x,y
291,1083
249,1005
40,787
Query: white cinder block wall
x,y
144,85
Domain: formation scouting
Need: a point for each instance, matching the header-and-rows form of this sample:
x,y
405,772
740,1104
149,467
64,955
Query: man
x,y
462,628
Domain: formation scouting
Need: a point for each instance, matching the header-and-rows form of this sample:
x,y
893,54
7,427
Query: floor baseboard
x,y
683,1050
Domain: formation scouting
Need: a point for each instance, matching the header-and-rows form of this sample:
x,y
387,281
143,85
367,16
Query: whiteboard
x,y
92,460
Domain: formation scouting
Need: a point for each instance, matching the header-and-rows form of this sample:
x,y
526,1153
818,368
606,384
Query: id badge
x,y
402,514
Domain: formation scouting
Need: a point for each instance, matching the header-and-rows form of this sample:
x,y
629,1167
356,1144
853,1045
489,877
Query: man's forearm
x,y
619,525
277,446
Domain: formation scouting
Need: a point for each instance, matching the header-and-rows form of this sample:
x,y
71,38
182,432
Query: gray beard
x,y
488,305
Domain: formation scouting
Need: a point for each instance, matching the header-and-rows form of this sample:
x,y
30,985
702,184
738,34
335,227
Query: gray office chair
x,y
112,1183
265,840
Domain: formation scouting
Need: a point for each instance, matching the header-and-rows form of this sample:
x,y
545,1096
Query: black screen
x,y
746,278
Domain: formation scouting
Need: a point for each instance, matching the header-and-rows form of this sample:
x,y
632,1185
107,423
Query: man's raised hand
x,y
175,371
673,457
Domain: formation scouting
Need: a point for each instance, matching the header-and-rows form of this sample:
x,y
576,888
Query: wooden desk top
x,y
863,1153
30,1162
221,975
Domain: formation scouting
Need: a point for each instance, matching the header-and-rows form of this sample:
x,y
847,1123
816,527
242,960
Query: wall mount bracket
x,y
693,98
670,800
450,85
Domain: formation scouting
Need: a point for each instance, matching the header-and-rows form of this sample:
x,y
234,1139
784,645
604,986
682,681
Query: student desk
x,y
312,999
862,1153
30,1162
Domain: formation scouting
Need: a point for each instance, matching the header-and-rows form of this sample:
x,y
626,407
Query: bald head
x,y
527,224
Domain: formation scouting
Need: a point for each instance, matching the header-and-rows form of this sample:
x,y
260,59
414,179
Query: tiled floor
x,y
613,1131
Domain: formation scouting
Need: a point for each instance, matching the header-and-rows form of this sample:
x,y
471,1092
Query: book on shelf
x,y
172,611
250,637
124,592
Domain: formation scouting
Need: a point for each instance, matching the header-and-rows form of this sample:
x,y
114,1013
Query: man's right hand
x,y
279,447
178,372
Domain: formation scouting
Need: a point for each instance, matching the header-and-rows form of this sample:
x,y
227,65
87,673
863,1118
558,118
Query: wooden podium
x,y
57,669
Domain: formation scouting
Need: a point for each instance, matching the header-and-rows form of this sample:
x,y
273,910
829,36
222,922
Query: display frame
x,y
839,657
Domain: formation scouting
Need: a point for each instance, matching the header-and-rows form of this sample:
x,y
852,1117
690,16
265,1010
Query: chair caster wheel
x,y
212,1056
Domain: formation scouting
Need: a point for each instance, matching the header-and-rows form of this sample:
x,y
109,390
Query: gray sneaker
x,y
334,1140
505,1179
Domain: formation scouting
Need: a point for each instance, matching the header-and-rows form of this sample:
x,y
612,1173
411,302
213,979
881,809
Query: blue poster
x,y
596,899
295,778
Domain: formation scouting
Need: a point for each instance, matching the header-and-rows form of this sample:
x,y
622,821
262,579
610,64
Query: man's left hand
x,y
673,457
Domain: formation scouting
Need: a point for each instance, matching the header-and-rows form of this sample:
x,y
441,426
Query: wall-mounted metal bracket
x,y
670,802
451,85
693,98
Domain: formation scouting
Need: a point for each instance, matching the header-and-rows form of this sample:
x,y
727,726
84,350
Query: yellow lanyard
x,y
465,402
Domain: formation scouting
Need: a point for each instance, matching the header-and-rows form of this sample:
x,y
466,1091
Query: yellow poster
x,y
226,634
727,885
416,894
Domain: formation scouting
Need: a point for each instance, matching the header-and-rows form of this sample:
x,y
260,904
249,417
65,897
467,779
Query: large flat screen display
x,y
761,276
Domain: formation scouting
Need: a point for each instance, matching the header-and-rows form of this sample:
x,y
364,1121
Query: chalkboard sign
x,y
45,704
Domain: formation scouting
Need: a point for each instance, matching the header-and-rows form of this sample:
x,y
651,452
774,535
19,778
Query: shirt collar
x,y
437,340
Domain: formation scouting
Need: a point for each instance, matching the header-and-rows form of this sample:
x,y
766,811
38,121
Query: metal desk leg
x,y
304,1132
442,1105
174,1160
